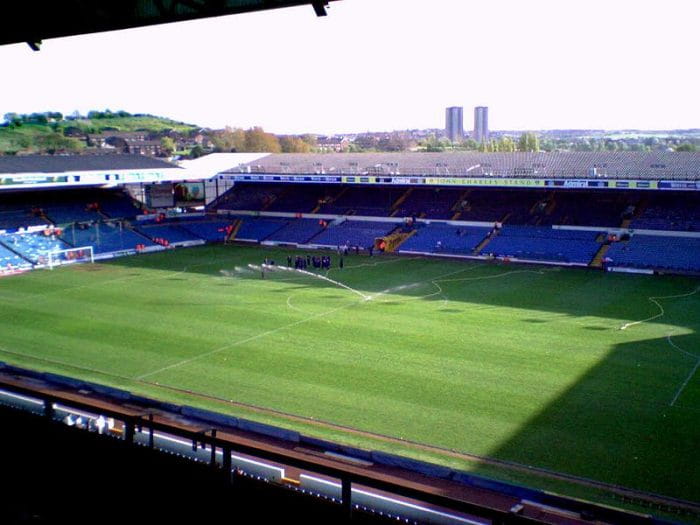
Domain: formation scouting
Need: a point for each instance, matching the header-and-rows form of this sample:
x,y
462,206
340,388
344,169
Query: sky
x,y
383,65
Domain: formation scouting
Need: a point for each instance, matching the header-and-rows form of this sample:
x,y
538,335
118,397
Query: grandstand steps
x,y
218,200
342,192
535,207
284,225
236,226
639,210
394,240
551,206
484,242
269,203
457,206
398,202
597,261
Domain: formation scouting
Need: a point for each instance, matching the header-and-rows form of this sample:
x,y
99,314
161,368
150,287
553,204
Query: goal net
x,y
72,255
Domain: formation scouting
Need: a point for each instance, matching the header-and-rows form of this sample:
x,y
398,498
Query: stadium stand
x,y
657,252
588,209
301,198
445,238
670,212
63,207
435,203
363,200
172,233
13,216
604,165
250,197
10,259
353,233
33,246
118,205
209,230
105,237
485,205
297,231
258,228
544,244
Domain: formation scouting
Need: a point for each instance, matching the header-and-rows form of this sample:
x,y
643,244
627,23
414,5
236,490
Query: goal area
x,y
81,254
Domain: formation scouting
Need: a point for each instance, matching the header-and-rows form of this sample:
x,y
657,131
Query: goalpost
x,y
80,254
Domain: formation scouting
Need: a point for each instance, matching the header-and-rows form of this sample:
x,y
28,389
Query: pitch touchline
x,y
692,372
275,330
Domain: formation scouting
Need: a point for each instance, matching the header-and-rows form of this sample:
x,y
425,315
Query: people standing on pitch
x,y
289,261
340,263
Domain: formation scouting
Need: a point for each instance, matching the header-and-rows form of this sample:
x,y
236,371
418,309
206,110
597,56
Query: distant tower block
x,y
454,123
481,124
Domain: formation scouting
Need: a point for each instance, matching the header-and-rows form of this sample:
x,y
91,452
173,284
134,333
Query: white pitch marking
x,y
283,327
271,268
687,379
662,312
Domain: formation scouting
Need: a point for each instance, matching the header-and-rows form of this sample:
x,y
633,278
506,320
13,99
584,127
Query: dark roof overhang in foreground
x,y
33,22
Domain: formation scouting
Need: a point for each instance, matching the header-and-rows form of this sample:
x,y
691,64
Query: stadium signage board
x,y
32,179
679,185
91,178
500,182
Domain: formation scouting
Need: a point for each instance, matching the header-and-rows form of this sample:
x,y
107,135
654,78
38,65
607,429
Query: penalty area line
x,y
685,383
662,312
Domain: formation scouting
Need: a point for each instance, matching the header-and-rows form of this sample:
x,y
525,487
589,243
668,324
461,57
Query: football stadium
x,y
424,337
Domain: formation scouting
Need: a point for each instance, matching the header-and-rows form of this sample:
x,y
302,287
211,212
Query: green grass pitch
x,y
525,364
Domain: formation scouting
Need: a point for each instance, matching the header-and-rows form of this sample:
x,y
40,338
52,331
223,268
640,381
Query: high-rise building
x,y
481,124
454,124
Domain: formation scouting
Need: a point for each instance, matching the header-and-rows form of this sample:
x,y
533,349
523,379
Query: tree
x,y
294,145
366,141
11,118
168,145
257,140
470,144
528,142
506,144
686,146
228,139
196,152
392,142
310,140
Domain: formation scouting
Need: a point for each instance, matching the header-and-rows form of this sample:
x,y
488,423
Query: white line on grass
x,y
374,264
692,372
538,272
289,303
662,312
283,327
687,379
674,345
243,341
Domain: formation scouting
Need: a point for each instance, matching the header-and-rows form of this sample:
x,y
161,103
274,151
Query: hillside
x,y
51,132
